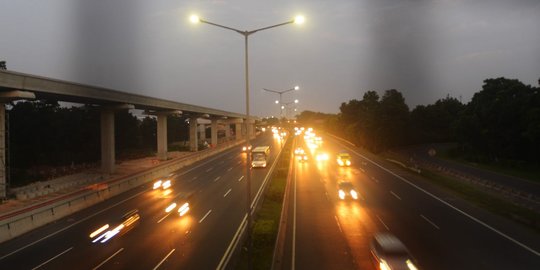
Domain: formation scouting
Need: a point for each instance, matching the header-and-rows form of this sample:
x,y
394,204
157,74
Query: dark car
x,y
347,190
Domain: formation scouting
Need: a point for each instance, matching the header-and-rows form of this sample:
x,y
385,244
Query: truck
x,y
259,156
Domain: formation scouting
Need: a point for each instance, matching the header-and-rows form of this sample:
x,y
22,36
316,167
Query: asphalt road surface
x,y
440,230
217,195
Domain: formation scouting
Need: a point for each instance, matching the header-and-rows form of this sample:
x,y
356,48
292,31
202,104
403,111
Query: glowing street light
x,y
297,20
296,88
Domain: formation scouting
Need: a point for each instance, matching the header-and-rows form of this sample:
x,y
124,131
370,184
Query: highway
x,y
440,230
198,240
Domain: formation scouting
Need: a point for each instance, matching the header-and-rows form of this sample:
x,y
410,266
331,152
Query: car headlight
x,y
183,209
348,163
340,162
157,184
170,207
354,194
411,265
341,194
383,265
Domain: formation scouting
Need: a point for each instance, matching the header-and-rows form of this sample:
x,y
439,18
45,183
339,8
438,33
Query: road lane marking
x,y
217,178
382,222
375,179
395,195
229,191
430,222
58,255
364,171
221,162
163,260
229,169
293,257
108,208
105,261
242,227
207,213
239,162
164,217
194,178
509,238
240,179
209,169
339,226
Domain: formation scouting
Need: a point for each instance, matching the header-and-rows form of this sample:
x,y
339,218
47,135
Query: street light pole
x,y
281,93
246,34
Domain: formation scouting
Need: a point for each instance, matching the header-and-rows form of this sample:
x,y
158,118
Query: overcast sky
x,y
426,49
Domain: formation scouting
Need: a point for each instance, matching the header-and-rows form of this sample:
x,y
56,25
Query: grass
x,y
266,221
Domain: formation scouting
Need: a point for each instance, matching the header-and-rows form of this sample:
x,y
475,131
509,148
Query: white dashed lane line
x,y
228,191
395,195
105,261
217,178
207,213
49,260
209,169
430,222
382,222
229,169
240,179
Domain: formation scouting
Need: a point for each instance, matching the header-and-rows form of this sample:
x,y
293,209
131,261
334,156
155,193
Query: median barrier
x,y
24,220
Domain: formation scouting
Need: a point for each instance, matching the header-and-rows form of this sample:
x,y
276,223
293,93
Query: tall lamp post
x,y
281,93
246,34
285,104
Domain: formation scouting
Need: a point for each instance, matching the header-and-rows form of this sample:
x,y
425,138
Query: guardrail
x,y
20,221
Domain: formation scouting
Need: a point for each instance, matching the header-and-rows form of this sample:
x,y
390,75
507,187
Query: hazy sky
x,y
426,49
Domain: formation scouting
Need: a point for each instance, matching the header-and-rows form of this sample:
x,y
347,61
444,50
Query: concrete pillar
x,y
6,97
214,132
202,132
107,140
193,141
251,130
238,130
3,183
227,131
162,136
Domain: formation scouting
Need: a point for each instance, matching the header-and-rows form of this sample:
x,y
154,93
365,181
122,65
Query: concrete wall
x,y
13,225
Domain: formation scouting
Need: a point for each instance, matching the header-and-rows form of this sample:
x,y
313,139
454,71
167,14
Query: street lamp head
x,y
296,101
277,101
194,19
297,87
282,107
299,19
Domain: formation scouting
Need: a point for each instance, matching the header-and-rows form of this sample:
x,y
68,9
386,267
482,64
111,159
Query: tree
x,y
502,122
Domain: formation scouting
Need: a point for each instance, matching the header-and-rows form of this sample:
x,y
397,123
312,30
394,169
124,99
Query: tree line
x,y
45,136
500,123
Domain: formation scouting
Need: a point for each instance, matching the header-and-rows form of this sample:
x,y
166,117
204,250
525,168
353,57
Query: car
x,y
388,252
302,157
162,183
246,148
125,224
346,190
343,159
299,151
182,202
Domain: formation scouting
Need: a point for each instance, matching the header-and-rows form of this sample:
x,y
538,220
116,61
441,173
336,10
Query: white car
x,y
389,253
